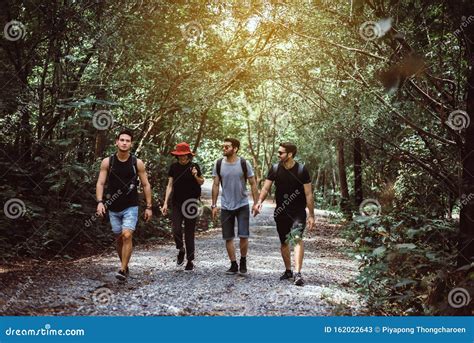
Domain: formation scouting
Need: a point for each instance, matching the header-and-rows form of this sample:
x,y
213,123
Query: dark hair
x,y
125,132
289,147
190,156
235,142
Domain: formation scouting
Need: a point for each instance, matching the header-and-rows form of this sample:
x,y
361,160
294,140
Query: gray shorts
x,y
242,214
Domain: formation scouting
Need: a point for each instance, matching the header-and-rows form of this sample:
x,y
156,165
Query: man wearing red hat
x,y
184,183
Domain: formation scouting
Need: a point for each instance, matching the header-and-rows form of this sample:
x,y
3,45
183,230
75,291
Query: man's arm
x,y
215,194
308,192
263,195
146,188
253,188
169,189
99,187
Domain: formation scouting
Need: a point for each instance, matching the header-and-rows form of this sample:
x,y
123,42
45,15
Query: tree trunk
x,y
358,193
345,206
466,227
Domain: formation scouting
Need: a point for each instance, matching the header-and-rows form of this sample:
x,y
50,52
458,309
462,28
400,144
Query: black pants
x,y
177,219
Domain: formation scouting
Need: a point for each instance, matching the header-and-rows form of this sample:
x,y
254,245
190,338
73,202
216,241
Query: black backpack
x,y
243,164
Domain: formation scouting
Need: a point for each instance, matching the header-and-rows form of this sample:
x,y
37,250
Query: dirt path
x,y
158,287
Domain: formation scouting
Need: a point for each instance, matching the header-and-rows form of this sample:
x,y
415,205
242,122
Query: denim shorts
x,y
242,214
126,219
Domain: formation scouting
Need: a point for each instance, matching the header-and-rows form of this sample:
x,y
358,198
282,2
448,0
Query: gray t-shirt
x,y
234,189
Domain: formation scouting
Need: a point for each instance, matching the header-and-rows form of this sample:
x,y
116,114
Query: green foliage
x,y
406,262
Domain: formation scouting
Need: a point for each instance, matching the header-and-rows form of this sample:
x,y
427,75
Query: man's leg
x,y
299,254
283,224
227,222
243,223
189,232
285,254
126,247
177,225
244,246
119,246
229,245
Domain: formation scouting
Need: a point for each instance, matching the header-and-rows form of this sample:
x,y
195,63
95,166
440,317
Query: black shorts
x,y
287,221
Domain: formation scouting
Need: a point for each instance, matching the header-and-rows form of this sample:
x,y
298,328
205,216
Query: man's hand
x,y
100,209
257,208
148,214
194,171
310,224
214,213
164,209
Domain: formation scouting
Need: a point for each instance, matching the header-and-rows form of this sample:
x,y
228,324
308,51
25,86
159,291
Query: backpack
x,y
299,174
243,164
134,179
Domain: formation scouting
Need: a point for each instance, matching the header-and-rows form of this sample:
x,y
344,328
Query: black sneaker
x,y
189,266
121,275
127,272
180,259
288,274
243,265
298,279
234,268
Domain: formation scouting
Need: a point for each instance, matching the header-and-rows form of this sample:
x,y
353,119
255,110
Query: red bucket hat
x,y
182,149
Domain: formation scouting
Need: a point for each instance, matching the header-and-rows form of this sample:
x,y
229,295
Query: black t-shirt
x,y
290,197
121,192
185,185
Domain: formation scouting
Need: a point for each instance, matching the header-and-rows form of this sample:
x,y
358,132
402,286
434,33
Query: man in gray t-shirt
x,y
232,173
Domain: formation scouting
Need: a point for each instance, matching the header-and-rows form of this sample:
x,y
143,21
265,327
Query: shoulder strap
x,y
111,163
275,168
134,165
218,168
300,170
243,164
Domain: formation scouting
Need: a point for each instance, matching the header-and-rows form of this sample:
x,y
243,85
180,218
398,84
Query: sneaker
x,y
298,279
243,265
180,259
234,268
127,272
288,274
189,266
121,275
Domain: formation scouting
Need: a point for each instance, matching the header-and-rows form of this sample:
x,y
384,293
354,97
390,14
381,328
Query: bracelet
x,y
100,201
149,207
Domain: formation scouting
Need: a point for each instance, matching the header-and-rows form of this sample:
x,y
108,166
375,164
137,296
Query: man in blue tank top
x,y
121,171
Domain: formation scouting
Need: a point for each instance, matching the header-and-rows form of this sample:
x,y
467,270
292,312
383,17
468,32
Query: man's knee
x,y
127,235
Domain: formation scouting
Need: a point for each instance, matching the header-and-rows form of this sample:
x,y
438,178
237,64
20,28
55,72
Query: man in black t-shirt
x,y
184,183
293,194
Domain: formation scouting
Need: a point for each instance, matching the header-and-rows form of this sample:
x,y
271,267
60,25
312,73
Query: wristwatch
x,y
149,207
100,201
213,206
